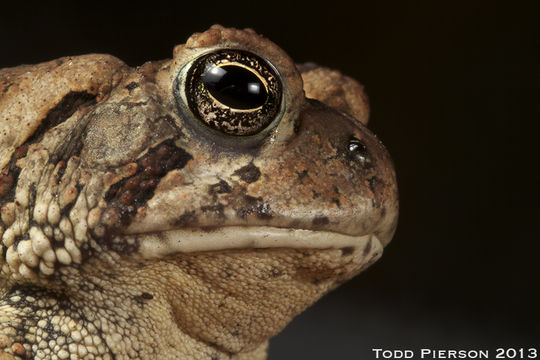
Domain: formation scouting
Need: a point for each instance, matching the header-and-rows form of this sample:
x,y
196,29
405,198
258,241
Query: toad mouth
x,y
189,240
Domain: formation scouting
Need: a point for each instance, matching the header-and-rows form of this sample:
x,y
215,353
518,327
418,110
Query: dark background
x,y
454,89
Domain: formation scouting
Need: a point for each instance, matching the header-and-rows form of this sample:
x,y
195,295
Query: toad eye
x,y
233,91
235,86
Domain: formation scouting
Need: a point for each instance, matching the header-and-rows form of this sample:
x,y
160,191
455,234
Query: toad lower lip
x,y
157,245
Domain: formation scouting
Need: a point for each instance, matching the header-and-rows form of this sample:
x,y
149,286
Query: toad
x,y
183,209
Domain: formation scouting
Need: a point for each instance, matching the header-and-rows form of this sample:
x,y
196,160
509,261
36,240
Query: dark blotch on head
x,y
302,174
264,211
222,187
215,209
348,250
255,205
249,173
61,112
296,126
133,192
320,220
376,185
186,219
132,85
6,87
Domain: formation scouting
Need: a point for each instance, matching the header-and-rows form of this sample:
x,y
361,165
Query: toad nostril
x,y
359,152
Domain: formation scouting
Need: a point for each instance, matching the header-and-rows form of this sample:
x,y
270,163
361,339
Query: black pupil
x,y
234,86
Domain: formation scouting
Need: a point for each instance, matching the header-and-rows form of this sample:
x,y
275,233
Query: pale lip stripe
x,y
157,245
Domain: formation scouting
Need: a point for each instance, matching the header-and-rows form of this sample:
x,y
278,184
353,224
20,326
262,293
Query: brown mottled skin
x,y
131,230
